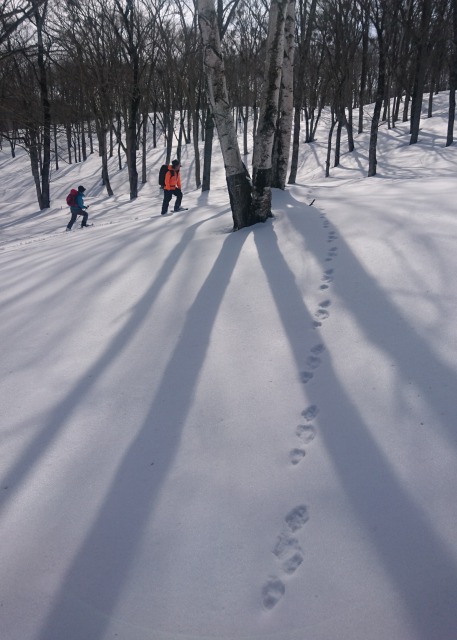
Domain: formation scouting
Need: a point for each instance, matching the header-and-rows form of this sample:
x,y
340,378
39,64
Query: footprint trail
x,y
287,550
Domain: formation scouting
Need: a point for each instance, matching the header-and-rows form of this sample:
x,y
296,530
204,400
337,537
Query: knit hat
x,y
175,163
81,188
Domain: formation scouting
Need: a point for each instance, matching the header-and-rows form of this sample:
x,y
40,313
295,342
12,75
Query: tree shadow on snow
x,y
101,567
419,565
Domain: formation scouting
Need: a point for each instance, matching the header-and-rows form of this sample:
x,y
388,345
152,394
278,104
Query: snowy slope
x,y
225,435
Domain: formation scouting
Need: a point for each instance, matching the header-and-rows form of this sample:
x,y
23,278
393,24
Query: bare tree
x,y
306,16
281,147
238,182
420,70
453,77
263,146
12,15
380,19
225,14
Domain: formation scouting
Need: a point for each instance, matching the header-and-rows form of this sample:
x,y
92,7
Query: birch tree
x,y
281,147
263,146
238,181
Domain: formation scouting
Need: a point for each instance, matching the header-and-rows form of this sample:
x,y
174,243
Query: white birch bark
x,y
286,103
238,182
263,147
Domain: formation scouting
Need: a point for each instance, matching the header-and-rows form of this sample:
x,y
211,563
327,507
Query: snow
x,y
245,435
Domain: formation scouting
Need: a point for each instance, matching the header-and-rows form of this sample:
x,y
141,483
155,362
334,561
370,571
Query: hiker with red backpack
x,y
172,187
75,201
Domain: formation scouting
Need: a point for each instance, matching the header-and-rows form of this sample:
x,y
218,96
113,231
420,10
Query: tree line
x,y
117,75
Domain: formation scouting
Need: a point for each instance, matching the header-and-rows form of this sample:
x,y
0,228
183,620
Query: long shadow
x,y
419,565
386,328
63,410
101,566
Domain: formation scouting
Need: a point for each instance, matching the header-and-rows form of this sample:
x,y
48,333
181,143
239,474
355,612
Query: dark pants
x,y
167,196
75,212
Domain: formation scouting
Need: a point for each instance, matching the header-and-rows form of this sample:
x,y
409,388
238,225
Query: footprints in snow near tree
x,y
306,433
322,312
287,549
288,552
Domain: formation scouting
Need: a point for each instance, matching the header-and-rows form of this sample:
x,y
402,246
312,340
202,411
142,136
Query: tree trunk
x,y
372,160
336,162
170,134
45,110
196,147
364,69
419,77
348,123
83,140
144,148
284,129
91,140
262,166
453,78
131,137
207,151
245,115
295,142
68,138
35,164
237,177
102,131
329,145
56,148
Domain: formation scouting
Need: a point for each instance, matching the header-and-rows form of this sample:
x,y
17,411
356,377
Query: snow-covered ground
x,y
239,436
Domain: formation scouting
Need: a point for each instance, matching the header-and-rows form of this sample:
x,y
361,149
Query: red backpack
x,y
71,198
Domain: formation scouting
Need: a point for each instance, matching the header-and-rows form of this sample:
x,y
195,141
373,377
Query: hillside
x,y
240,435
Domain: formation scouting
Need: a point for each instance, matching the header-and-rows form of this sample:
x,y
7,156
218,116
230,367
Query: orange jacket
x,y
172,179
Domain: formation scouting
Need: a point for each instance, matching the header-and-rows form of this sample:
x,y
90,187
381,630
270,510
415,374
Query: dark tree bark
x,y
453,78
207,152
45,159
419,76
372,159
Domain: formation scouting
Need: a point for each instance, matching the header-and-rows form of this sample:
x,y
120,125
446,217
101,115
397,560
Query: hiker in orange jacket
x,y
172,188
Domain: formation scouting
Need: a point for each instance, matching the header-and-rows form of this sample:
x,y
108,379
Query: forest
x,y
111,76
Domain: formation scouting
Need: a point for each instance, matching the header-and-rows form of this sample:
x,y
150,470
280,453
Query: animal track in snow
x,y
310,412
313,362
297,518
296,455
306,432
287,548
272,591
318,348
328,275
291,564
322,313
332,253
285,544
306,376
